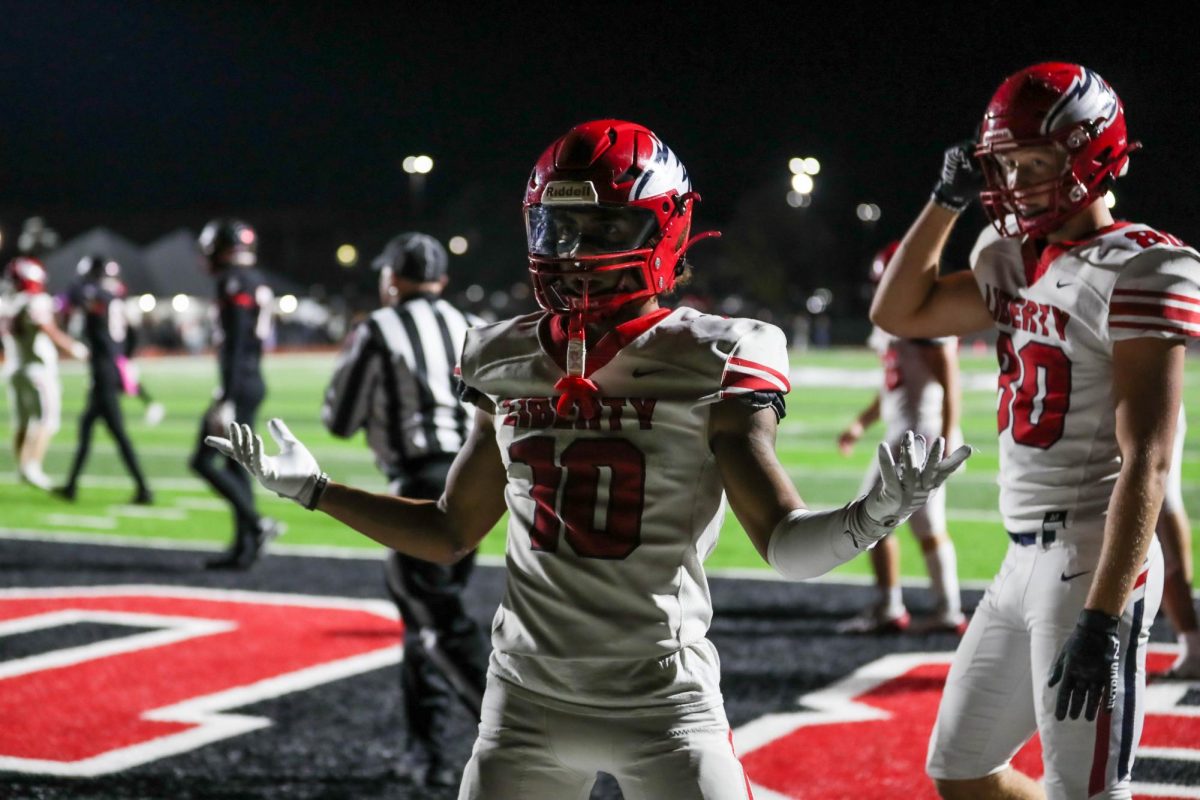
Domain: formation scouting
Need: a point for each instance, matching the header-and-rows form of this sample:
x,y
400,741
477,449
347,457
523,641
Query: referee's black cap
x,y
416,256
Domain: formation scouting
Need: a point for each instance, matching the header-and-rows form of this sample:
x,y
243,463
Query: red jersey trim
x,y
1179,298
734,361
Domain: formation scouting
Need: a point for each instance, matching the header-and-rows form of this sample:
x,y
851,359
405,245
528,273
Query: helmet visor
x,y
565,232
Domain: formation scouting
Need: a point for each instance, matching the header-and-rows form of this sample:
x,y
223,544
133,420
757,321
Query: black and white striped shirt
x,y
395,378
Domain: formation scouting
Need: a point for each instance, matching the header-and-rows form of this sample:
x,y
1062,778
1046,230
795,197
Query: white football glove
x,y
905,486
293,473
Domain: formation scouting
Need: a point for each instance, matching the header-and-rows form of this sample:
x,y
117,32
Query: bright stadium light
x,y
288,304
802,183
409,164
811,166
474,292
422,165
1110,199
458,245
180,302
796,165
347,255
147,303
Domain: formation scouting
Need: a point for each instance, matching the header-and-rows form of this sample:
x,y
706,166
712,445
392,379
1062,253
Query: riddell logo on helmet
x,y
569,192
999,133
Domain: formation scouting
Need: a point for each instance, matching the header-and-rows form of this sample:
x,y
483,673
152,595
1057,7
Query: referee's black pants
x,y
230,479
445,653
104,402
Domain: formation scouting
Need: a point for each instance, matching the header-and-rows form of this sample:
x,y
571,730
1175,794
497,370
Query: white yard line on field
x,y
80,521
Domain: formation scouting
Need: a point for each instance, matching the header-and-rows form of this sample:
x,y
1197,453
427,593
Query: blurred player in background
x,y
1092,322
244,317
31,343
96,295
611,430
921,393
1175,535
395,380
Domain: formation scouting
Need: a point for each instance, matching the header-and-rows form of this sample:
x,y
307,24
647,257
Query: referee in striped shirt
x,y
395,380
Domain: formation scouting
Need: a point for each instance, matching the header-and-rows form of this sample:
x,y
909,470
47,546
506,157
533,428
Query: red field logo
x,y
865,736
164,688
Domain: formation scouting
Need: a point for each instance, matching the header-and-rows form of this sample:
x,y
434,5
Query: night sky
x,y
146,117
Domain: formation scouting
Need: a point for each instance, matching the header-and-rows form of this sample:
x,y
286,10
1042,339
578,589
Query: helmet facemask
x,y
1033,208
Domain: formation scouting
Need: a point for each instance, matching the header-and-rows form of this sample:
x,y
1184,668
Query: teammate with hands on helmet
x,y
1090,349
611,429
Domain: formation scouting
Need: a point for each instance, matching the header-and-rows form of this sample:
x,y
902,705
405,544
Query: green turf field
x,y
833,387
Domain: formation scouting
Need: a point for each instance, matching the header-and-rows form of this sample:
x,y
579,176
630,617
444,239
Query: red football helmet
x,y
1066,106
882,259
608,197
26,274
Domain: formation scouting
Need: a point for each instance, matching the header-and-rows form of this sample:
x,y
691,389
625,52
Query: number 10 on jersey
x,y
566,493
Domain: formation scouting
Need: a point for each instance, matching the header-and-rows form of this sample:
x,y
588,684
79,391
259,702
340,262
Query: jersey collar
x,y
1038,255
552,335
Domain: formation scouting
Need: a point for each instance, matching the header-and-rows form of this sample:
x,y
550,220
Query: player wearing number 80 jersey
x,y
1092,316
1059,315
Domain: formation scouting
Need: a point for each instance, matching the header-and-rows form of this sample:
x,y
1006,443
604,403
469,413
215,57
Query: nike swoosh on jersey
x,y
1061,284
1065,577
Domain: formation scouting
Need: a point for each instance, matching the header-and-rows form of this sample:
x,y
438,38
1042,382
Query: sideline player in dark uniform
x,y
244,301
395,380
104,330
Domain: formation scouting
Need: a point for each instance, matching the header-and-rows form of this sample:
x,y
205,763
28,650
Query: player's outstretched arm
x,y
912,301
797,542
441,531
1147,383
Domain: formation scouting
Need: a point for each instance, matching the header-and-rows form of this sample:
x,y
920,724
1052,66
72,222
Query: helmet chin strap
x,y
577,391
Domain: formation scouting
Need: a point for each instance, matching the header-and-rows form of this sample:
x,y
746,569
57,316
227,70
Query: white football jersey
x,y
911,396
611,519
21,318
1058,316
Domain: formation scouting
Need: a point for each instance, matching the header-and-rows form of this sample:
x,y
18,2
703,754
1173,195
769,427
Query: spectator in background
x,y
31,364
95,296
920,392
395,380
244,306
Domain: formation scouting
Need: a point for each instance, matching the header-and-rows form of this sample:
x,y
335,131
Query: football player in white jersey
x,y
1092,318
612,431
31,343
920,392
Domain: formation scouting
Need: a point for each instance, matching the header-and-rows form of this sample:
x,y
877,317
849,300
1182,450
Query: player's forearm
x,y
911,276
869,415
64,342
1129,529
417,528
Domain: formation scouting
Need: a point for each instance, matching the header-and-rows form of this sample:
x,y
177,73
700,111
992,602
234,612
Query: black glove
x,y
961,177
1087,666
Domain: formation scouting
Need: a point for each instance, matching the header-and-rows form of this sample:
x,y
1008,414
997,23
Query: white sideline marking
x,y
144,512
80,520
